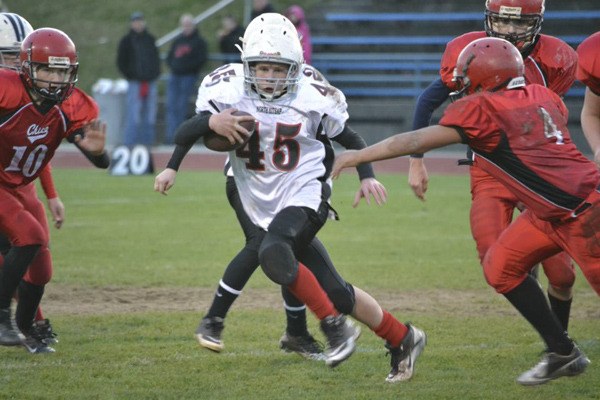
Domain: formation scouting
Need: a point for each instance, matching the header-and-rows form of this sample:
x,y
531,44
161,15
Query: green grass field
x,y
135,271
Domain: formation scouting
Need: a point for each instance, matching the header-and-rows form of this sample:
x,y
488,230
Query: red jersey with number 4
x,y
520,137
28,137
588,68
551,63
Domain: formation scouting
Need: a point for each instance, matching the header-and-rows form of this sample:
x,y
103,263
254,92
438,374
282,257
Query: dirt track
x,y
68,156
76,300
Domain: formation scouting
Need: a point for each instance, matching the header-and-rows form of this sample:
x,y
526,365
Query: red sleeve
x,y
48,183
453,49
558,61
473,122
588,68
13,94
80,109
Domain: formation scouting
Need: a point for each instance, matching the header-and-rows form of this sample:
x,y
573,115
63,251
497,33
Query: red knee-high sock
x,y
307,289
390,329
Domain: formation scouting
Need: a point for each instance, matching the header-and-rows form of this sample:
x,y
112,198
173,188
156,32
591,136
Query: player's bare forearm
x,y
590,122
402,144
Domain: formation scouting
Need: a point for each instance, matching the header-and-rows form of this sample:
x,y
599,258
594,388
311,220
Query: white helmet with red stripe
x,y
272,38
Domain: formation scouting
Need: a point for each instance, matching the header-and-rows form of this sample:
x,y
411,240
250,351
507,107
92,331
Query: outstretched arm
x,y
429,101
369,186
186,135
401,144
590,122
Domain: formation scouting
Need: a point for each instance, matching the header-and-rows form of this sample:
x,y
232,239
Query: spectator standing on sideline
x,y
588,72
229,35
548,61
261,7
13,29
187,55
42,102
296,14
139,62
519,136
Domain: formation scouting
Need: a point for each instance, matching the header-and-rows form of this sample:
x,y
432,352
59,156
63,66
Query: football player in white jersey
x,y
282,172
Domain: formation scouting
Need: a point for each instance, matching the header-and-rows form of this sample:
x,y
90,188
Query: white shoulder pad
x,y
225,85
315,93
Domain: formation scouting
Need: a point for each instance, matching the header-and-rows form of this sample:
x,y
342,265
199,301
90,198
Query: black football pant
x,y
314,256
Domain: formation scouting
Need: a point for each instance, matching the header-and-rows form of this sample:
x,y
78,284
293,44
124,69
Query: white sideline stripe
x,y
261,353
125,200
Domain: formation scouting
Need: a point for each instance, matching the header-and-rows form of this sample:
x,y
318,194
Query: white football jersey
x,y
283,163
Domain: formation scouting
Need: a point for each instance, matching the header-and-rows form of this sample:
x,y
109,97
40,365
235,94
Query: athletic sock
x,y
16,262
296,320
295,313
223,300
528,298
307,289
562,310
29,300
391,330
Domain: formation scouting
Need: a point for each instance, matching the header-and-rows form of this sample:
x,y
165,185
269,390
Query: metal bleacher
x,y
379,74
392,65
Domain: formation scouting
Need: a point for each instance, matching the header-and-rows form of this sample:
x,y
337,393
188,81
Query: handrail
x,y
406,40
447,16
197,19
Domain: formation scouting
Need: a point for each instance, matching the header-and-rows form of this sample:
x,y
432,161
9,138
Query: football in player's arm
x,y
297,115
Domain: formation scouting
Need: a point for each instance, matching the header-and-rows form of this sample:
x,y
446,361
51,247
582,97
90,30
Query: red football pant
x,y
528,240
23,221
492,209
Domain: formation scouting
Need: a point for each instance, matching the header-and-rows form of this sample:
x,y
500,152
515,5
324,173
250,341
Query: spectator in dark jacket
x,y
261,7
186,57
229,35
139,62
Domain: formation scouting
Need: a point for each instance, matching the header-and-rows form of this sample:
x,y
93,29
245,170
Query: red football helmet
x,y
488,64
49,63
518,21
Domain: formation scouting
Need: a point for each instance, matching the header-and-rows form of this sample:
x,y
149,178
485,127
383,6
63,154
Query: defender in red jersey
x,y
519,136
588,72
39,107
549,62
13,29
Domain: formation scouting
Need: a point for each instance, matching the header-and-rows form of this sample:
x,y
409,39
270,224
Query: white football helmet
x,y
271,38
13,29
